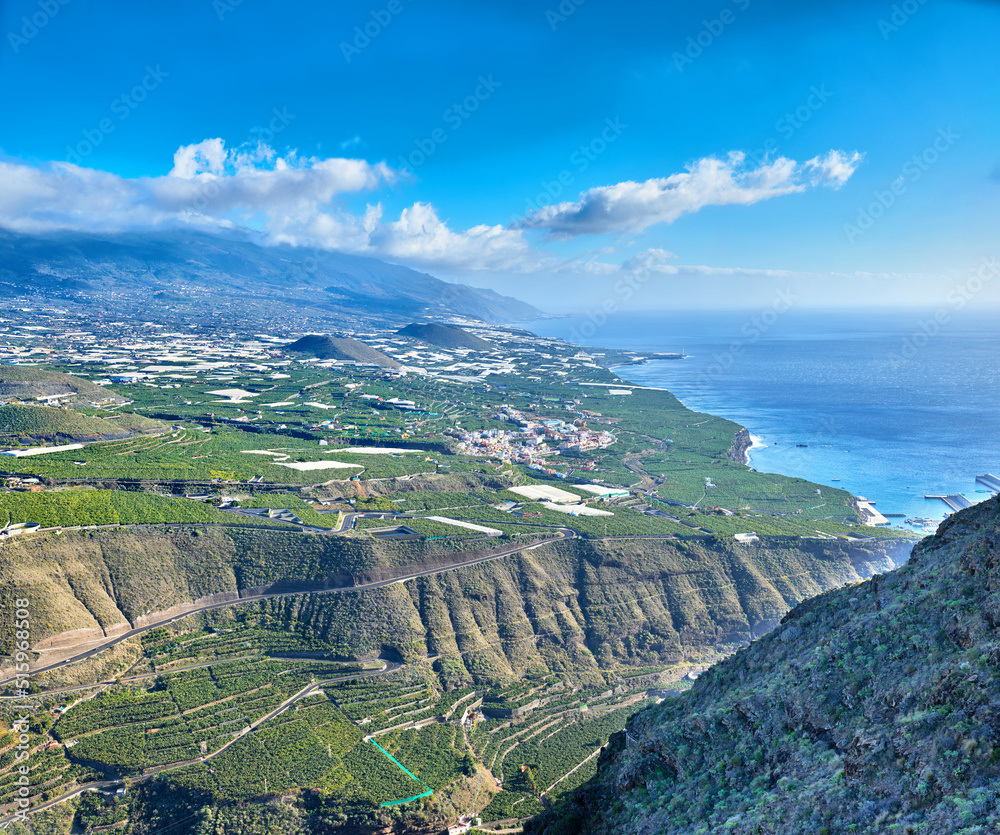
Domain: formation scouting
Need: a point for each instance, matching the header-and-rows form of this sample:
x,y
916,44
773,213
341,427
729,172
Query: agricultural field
x,y
22,423
320,742
350,704
545,751
218,454
182,714
284,500
240,637
69,508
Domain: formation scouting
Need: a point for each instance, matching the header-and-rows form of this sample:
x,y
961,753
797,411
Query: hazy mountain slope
x,y
872,709
337,348
174,269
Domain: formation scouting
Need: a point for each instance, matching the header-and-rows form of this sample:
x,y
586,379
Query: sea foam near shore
x,y
758,443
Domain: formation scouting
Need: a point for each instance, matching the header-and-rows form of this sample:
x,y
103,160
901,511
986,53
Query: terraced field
x,y
222,454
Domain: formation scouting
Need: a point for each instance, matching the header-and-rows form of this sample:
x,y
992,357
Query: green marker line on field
x,y
429,791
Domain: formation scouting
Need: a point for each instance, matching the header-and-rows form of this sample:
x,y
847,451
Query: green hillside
x,y
67,508
579,607
31,382
872,709
27,424
567,639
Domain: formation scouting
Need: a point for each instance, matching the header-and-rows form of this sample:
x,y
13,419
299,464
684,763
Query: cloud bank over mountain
x,y
303,201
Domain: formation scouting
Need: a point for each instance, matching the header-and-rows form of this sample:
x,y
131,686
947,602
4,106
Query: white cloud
x,y
420,237
208,157
835,168
651,261
294,200
634,206
207,186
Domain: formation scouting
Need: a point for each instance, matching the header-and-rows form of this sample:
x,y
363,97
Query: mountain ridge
x,y
236,275
662,601
870,709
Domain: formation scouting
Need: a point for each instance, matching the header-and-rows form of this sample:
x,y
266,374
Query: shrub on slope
x,y
871,709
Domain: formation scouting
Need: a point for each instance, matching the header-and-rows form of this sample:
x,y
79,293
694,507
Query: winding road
x,y
562,533
97,785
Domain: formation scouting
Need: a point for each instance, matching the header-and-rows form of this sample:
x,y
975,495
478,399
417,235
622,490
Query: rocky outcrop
x,y
617,603
869,709
741,445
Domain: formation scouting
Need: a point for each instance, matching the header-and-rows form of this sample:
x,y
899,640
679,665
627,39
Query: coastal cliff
x,y
741,446
870,709
634,602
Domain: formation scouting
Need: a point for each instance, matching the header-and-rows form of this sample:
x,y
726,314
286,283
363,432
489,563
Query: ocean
x,y
889,405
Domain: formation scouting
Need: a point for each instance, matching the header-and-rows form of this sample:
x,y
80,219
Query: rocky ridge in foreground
x,y
873,708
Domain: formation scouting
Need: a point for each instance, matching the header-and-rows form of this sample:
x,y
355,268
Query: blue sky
x,y
693,177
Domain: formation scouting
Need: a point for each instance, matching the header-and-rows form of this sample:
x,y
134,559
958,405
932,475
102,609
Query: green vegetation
x,y
535,760
430,754
30,383
230,635
289,501
561,641
25,424
219,455
123,731
868,710
68,508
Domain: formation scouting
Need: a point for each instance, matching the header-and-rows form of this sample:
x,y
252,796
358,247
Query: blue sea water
x,y
868,402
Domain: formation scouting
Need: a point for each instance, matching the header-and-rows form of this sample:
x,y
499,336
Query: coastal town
x,y
536,440
374,444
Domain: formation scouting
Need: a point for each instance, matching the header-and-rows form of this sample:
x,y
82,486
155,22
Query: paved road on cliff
x,y
563,533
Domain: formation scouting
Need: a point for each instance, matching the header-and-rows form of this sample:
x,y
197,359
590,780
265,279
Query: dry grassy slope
x,y
101,580
29,382
578,606
872,709
583,607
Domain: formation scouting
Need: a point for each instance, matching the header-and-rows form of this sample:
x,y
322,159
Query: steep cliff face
x,y
580,606
741,445
873,708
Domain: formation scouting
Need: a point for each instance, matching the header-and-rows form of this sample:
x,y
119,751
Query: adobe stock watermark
x,y
751,332
378,21
224,7
122,107
956,300
21,787
913,170
901,15
210,189
561,13
31,26
787,125
709,34
580,160
623,291
454,117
